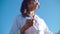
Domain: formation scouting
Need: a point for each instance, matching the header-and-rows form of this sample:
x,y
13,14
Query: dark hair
x,y
27,6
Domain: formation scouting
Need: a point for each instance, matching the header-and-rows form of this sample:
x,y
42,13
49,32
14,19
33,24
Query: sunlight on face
x,y
38,4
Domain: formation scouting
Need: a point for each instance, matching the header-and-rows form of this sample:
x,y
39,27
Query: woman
x,y
28,22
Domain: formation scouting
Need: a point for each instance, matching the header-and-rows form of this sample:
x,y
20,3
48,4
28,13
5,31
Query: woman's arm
x,y
14,29
45,28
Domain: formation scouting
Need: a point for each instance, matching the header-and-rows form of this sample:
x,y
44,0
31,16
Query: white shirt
x,y
39,26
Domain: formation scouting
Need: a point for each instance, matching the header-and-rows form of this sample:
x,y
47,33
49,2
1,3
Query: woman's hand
x,y
29,23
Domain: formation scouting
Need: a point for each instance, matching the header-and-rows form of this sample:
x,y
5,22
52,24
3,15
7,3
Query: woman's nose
x,y
37,1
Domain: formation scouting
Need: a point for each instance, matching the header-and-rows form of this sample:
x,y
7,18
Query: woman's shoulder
x,y
19,17
38,17
41,21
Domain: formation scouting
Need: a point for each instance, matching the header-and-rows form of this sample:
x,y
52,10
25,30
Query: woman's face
x,y
38,4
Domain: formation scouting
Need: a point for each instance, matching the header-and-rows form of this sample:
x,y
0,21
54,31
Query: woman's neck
x,y
31,13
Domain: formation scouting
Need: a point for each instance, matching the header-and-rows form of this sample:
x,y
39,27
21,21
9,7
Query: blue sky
x,y
49,10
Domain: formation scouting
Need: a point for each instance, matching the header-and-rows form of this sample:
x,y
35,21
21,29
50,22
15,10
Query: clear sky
x,y
49,10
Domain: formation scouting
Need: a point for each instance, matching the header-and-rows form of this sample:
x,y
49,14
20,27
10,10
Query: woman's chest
x,y
31,30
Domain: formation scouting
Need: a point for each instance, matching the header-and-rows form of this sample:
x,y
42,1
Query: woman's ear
x,y
25,11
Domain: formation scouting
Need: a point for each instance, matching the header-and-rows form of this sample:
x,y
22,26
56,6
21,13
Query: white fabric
x,y
39,26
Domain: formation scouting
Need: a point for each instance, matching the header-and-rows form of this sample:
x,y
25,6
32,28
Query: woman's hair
x,y
27,6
